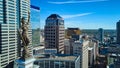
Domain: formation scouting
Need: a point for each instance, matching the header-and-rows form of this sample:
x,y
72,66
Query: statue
x,y
26,60
24,37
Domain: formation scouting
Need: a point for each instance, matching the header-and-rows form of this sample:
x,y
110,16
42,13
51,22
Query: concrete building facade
x,y
54,33
8,32
81,48
11,12
67,46
91,56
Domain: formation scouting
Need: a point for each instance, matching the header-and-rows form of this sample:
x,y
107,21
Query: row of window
x,y
56,64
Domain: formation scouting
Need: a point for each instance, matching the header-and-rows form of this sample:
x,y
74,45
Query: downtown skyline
x,y
84,14
68,37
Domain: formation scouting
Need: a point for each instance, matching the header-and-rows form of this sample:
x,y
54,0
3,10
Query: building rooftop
x,y
73,29
90,48
54,16
60,57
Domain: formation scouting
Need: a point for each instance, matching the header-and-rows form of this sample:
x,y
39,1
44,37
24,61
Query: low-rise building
x,y
50,51
59,61
113,56
38,50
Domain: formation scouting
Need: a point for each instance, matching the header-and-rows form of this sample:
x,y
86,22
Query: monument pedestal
x,y
27,63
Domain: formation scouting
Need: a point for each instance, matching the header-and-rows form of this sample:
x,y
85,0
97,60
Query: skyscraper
x,y
11,12
118,32
81,48
54,33
36,34
8,32
101,35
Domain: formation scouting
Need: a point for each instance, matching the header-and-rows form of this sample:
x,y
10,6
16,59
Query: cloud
x,y
75,15
71,2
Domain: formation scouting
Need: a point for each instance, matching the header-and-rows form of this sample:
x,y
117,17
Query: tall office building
x,y
8,32
36,34
118,32
54,33
11,12
101,35
81,48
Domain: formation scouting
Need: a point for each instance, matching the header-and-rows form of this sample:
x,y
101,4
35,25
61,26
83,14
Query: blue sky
x,y
85,14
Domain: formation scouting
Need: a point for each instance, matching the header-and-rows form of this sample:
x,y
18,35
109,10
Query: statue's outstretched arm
x,y
28,18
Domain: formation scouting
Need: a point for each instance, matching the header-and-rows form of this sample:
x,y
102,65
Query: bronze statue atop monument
x,y
27,59
23,32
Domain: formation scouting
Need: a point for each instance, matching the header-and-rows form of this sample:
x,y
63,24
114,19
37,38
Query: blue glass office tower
x,y
11,11
101,35
118,31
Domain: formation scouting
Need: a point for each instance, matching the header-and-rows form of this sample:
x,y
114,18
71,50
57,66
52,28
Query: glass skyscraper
x,y
11,12
101,35
118,31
